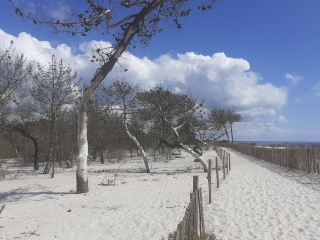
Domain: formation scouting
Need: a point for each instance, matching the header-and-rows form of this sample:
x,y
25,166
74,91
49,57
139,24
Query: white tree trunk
x,y
142,152
82,175
196,155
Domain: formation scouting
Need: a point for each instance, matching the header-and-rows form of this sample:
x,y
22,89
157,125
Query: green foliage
x,y
205,236
178,156
196,160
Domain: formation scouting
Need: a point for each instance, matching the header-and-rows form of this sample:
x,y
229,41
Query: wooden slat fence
x,y
193,220
305,158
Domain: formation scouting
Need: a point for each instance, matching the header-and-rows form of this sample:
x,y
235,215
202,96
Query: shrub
x,y
205,236
197,160
175,154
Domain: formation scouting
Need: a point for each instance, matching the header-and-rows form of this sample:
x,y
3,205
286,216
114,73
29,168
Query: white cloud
x,y
247,131
316,89
221,80
282,119
294,79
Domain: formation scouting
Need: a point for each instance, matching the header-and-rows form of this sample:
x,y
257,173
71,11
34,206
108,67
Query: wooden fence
x,y
304,158
193,220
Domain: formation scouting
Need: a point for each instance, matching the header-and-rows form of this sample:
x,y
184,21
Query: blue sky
x,y
259,57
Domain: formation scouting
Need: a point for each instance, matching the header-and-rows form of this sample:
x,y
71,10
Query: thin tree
x,y
14,72
25,123
140,19
171,109
233,117
125,101
222,120
53,90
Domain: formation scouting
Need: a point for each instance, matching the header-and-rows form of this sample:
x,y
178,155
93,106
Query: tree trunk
x,y
26,134
101,157
231,133
226,131
142,152
196,155
81,176
36,156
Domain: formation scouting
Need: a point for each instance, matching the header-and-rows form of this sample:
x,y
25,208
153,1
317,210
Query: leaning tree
x,y
222,120
173,111
126,20
124,95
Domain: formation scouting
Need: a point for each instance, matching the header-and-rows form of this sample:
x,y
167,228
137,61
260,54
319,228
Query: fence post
x,y
188,222
183,229
202,227
217,172
227,160
195,182
309,162
178,232
196,212
229,163
192,199
223,168
209,179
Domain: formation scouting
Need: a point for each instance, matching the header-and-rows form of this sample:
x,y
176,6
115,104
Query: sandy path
x,y
259,200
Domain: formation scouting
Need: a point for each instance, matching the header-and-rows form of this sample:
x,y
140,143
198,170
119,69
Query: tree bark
x,y
81,176
226,131
35,143
142,152
231,133
196,155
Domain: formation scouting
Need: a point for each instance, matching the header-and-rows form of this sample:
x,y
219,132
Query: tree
x,y
14,71
14,76
173,111
222,120
125,102
103,126
25,123
53,91
140,19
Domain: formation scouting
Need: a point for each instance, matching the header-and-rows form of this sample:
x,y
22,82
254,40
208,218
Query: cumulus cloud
x,y
222,81
281,119
274,124
293,78
316,89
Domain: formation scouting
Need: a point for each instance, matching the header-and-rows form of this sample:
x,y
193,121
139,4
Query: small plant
x,y
196,236
177,156
197,160
205,236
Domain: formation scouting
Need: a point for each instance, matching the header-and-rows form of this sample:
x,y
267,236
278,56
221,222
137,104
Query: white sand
x,y
257,201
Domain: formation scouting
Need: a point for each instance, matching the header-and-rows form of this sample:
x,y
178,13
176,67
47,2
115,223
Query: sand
x,y
257,200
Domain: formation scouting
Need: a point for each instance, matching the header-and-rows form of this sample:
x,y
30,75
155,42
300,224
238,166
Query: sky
x,y
258,57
